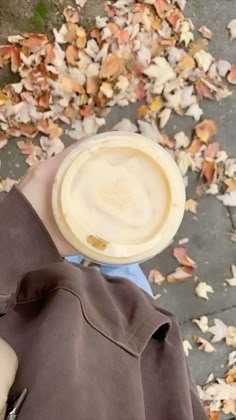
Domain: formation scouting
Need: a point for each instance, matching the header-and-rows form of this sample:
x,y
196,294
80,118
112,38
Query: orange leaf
x,y
49,53
203,91
122,36
92,85
71,55
191,205
111,67
167,141
81,37
181,274
34,41
231,184
70,85
208,170
211,150
15,59
161,7
187,63
172,19
86,110
142,110
181,256
232,75
194,147
205,130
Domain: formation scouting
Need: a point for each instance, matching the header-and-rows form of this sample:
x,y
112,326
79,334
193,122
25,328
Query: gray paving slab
x,y
209,245
203,364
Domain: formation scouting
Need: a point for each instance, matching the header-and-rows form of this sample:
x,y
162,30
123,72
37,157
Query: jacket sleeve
x,y
25,245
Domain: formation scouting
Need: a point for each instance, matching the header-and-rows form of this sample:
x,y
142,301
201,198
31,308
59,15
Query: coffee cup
x,y
118,198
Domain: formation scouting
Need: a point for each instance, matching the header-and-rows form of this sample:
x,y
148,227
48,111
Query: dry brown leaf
x,y
203,289
71,55
187,63
231,184
70,85
203,344
230,338
198,45
181,274
211,151
71,14
81,37
206,32
208,171
111,67
191,205
230,375
202,323
156,277
34,41
205,130
180,254
232,75
213,415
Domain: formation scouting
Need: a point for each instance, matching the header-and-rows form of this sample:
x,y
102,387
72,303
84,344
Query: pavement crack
x,y
209,314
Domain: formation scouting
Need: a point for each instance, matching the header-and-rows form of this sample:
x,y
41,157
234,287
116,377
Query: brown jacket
x,y
89,346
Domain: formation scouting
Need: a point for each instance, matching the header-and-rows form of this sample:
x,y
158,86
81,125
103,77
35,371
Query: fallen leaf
x,y
126,125
205,130
182,258
181,274
228,199
231,184
71,55
230,338
206,32
184,161
203,289
232,281
191,205
187,346
203,344
232,28
111,67
232,358
71,14
161,71
156,277
202,323
219,331
231,77
230,376
229,406
194,111
204,60
208,171
181,140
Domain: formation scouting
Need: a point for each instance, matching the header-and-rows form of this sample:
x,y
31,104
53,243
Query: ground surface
x,y
210,243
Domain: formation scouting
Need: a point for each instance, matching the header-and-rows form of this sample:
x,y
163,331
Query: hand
x,y
37,188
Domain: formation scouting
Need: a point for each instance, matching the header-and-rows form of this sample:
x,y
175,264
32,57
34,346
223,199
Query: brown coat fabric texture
x,y
90,347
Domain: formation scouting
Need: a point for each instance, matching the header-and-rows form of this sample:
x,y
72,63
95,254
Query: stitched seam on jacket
x,y
118,343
